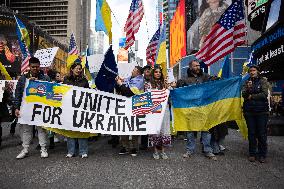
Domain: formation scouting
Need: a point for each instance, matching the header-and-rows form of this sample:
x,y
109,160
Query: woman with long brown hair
x,y
76,78
163,139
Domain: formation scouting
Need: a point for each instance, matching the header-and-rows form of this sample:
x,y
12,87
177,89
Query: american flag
x,y
25,63
132,24
228,33
157,96
41,90
72,46
24,41
57,96
151,50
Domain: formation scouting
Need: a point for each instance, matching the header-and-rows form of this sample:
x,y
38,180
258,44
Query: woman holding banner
x,y
76,78
163,139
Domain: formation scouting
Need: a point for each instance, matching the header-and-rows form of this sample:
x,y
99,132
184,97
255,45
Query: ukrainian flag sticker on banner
x,y
203,106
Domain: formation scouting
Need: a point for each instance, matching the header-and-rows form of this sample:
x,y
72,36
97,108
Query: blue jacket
x,y
21,86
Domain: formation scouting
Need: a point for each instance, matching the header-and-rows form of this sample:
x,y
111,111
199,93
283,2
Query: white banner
x,y
86,110
46,56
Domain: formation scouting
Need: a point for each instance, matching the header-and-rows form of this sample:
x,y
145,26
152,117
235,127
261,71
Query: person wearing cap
x,y
256,108
129,87
35,73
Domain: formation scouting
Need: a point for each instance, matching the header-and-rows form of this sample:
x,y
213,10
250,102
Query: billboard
x,y
256,13
122,55
201,16
178,35
10,52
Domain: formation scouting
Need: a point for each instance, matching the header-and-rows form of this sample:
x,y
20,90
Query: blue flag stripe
x,y
206,93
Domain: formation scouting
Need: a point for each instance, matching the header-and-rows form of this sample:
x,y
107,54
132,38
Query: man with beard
x,y
196,76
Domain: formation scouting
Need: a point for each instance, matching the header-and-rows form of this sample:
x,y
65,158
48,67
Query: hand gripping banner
x,y
86,110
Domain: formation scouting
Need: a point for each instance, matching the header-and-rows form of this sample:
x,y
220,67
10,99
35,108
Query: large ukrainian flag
x,y
203,106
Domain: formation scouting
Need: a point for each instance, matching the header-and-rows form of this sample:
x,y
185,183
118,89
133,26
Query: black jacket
x,y
21,86
6,100
76,81
259,94
192,79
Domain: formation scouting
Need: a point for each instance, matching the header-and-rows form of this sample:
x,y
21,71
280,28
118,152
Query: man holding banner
x,y
129,87
196,76
34,74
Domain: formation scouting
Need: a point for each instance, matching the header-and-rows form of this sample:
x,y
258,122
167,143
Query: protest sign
x,y
86,110
46,56
171,77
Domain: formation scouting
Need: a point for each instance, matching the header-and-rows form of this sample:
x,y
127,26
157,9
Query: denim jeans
x,y
83,145
215,144
206,137
257,133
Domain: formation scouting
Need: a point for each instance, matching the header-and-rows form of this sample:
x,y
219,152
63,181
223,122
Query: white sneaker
x,y
84,156
164,155
187,154
156,155
222,148
22,154
211,156
43,153
69,155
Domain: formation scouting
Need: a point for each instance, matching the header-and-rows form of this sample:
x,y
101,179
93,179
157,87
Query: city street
x,y
106,169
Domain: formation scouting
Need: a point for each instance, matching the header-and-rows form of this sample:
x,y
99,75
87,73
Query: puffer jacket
x,y
259,94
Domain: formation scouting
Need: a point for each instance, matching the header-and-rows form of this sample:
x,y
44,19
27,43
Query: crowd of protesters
x,y
255,108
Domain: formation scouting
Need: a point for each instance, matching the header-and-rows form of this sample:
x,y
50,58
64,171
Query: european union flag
x,y
105,80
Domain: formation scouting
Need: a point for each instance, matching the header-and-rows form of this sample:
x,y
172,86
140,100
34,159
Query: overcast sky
x,y
120,8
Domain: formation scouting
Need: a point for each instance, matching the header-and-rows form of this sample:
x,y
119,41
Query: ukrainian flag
x,y
103,18
201,107
23,33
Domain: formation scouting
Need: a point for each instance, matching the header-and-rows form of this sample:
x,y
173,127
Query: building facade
x,y
96,44
59,18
